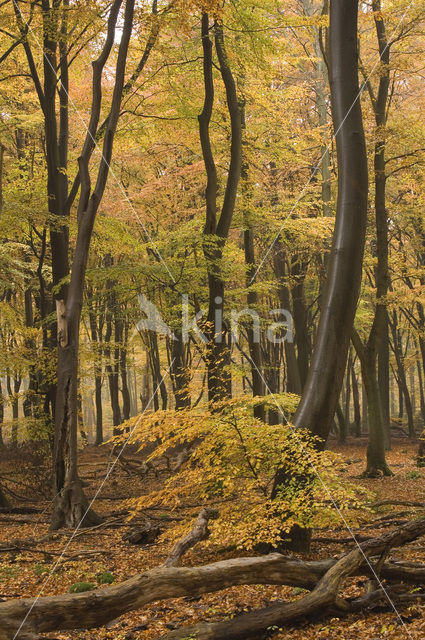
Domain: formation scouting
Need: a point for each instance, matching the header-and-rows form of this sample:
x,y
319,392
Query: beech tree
x,y
71,507
325,377
216,230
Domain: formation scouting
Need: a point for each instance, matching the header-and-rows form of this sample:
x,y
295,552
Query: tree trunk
x,y
254,344
300,314
13,398
376,462
319,401
4,502
347,397
320,397
402,381
1,415
216,232
70,504
179,372
99,410
356,403
384,381
421,390
293,379
124,372
378,335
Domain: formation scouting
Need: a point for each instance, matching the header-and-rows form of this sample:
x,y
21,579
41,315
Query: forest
x,y
212,319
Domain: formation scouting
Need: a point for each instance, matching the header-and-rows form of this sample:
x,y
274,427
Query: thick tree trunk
x,y
70,505
321,392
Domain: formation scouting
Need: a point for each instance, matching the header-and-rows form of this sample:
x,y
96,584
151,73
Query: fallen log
x,y
323,596
398,503
199,532
32,616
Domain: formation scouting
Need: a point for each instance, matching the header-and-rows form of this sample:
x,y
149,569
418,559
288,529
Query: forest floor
x,y
87,555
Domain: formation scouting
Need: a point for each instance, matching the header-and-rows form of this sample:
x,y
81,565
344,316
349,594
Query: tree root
x,y
72,509
323,577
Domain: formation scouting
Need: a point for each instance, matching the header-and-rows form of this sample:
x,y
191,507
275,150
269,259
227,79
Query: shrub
x,y
233,460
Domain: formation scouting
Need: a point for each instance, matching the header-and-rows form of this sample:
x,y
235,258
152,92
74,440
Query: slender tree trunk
x,y
402,380
365,417
4,502
13,399
376,462
254,344
412,388
125,392
112,365
342,425
179,372
96,329
343,437
216,232
384,382
1,415
421,390
400,399
378,336
302,334
293,379
99,409
155,364
356,402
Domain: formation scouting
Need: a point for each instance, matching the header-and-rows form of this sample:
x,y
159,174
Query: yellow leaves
x,y
233,459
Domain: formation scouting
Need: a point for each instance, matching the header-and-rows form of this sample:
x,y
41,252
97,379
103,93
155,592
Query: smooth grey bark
x,y
319,400
321,392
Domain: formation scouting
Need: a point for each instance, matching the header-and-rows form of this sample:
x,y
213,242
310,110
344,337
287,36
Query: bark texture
x,y
321,392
